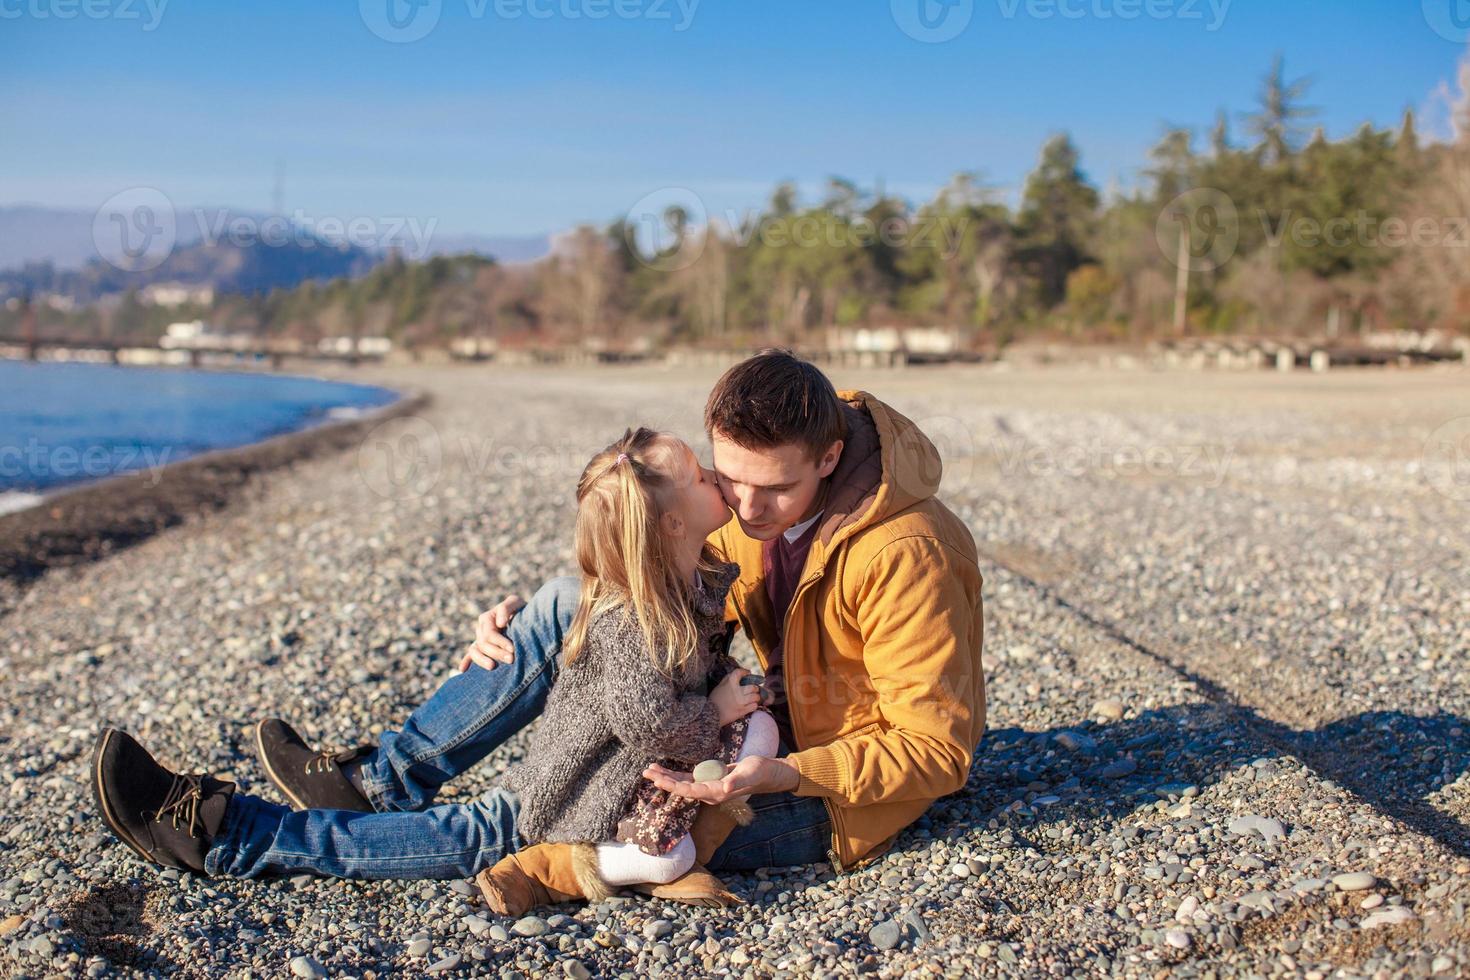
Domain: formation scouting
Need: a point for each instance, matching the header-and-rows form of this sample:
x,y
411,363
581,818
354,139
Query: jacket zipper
x,y
833,852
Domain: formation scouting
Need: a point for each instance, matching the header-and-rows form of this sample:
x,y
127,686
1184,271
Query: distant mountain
x,y
31,234
53,250
224,266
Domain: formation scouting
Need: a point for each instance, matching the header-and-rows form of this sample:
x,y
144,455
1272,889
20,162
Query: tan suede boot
x,y
714,824
542,875
695,887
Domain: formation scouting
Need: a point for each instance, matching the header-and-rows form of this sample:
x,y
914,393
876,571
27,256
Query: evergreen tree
x,y
1058,212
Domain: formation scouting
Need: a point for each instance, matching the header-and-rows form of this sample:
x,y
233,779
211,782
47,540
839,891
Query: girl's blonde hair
x,y
626,560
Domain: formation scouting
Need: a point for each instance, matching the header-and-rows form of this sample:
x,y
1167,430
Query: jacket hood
x,y
887,466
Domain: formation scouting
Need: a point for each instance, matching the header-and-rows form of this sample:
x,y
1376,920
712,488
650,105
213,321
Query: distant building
x,y
369,346
199,335
887,340
171,294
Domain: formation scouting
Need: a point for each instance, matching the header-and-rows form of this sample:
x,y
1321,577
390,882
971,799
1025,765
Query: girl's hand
x,y
734,700
492,647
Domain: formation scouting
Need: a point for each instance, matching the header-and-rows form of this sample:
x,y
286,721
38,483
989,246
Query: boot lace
x,y
330,759
182,803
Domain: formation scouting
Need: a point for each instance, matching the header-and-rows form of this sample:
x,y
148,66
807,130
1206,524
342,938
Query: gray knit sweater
x,y
611,714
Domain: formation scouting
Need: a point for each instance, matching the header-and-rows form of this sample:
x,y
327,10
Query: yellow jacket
x,y
883,637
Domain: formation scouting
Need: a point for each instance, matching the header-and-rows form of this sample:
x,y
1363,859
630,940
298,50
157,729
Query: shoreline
x,y
82,523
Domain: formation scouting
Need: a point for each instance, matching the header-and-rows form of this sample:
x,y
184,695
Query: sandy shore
x,y
1226,645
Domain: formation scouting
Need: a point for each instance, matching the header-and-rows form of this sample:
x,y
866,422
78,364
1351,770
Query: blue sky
x,y
523,116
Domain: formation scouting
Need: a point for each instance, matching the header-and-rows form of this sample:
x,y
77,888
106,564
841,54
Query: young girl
x,y
645,678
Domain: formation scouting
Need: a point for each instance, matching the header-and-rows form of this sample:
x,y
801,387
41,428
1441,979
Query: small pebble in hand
x,y
709,770
756,680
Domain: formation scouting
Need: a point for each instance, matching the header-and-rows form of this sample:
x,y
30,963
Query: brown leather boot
x,y
542,875
695,887
712,826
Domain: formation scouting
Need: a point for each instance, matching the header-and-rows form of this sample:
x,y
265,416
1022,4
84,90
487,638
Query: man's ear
x,y
829,460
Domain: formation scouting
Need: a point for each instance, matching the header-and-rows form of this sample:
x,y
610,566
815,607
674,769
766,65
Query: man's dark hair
x,y
775,399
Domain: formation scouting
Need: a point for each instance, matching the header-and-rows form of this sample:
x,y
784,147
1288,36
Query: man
x,y
859,592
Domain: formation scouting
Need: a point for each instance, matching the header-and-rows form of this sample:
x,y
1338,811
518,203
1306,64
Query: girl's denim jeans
x,y
464,721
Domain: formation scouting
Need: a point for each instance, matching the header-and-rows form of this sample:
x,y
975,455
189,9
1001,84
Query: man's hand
x,y
753,774
734,700
492,646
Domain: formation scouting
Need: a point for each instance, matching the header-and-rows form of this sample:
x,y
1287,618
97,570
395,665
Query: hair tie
x,y
621,457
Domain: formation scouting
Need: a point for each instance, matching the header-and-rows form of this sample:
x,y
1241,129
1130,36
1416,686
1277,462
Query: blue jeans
x,y
465,720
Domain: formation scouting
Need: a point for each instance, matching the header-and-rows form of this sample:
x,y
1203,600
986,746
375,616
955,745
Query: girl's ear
x,y
672,524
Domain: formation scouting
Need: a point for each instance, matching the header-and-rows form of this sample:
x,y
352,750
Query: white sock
x,y
623,863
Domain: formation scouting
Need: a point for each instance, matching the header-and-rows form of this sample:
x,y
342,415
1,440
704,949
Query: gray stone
x,y
446,964
1394,916
1354,881
1252,823
885,935
531,925
307,968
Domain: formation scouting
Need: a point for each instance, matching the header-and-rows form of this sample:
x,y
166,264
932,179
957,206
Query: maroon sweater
x,y
782,562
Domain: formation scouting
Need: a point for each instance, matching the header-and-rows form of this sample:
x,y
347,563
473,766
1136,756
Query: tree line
x,y
1278,231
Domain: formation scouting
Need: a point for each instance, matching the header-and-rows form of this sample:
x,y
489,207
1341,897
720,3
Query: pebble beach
x,y
1226,646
